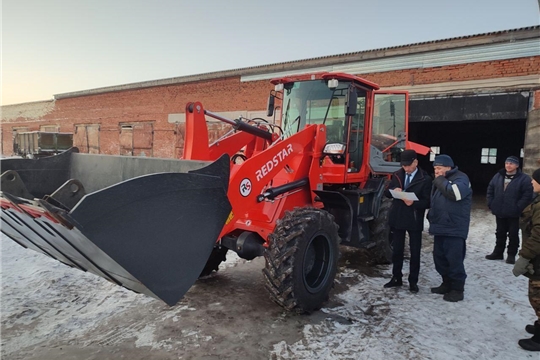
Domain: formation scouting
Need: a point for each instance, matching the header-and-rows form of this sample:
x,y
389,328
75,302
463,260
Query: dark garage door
x,y
478,132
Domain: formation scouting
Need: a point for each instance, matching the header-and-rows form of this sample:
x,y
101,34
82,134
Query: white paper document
x,y
403,195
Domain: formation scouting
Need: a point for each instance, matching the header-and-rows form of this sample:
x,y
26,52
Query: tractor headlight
x,y
334,149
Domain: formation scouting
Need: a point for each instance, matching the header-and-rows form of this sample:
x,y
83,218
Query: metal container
x,y
41,143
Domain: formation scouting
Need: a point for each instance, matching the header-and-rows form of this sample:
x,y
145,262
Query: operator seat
x,y
335,131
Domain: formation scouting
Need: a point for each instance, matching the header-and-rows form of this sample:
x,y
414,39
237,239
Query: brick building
x,y
476,98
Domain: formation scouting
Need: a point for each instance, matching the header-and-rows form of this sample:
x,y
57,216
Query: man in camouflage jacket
x,y
528,263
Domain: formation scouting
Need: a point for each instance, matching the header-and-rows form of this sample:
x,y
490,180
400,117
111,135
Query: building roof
x,y
258,72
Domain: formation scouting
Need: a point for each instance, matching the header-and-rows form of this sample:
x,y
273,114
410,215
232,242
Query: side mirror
x,y
270,105
351,102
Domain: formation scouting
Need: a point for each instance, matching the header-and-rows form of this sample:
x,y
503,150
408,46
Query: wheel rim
x,y
316,264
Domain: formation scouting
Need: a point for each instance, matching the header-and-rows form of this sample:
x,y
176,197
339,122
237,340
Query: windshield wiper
x,y
287,111
328,107
289,126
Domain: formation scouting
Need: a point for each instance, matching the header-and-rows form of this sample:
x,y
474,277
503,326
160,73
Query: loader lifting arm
x,y
196,146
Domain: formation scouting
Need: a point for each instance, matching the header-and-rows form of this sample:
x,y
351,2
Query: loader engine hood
x,y
146,224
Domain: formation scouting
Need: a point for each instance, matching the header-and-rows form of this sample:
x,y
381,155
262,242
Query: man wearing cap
x,y
408,216
508,193
449,217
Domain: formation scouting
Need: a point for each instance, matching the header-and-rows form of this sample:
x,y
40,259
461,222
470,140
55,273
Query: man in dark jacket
x,y
508,193
449,217
408,216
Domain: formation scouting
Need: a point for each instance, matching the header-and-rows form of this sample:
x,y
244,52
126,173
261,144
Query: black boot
x,y
453,296
497,254
456,294
530,328
394,282
444,288
511,259
532,344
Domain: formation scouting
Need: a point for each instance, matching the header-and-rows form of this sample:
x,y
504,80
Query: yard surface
x,y
50,311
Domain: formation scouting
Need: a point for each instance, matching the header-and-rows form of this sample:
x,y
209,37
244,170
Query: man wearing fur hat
x,y
508,193
449,218
528,263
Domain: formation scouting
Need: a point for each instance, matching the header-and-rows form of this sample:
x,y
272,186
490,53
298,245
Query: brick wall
x,y
219,95
137,106
463,72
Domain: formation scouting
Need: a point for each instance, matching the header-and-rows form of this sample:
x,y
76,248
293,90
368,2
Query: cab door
x,y
389,127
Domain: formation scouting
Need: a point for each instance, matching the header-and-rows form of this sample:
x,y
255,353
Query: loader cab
x,y
325,102
365,127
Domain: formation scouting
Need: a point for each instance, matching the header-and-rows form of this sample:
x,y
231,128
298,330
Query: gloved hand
x,y
522,266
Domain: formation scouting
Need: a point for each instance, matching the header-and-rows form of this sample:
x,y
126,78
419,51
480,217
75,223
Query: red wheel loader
x,y
291,193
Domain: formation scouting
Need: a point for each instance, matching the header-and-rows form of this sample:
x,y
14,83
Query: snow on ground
x,y
383,323
33,281
368,322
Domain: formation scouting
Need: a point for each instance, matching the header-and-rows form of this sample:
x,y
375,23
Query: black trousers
x,y
507,227
415,245
448,256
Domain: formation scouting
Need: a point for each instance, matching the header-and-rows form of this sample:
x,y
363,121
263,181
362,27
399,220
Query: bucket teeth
x,y
33,227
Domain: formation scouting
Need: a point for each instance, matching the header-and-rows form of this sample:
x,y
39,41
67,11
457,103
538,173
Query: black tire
x,y
381,253
218,255
301,261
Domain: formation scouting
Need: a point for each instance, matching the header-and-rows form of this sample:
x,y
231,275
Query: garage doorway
x,y
478,132
466,142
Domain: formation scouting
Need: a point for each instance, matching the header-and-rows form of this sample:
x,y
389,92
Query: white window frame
x,y
435,150
488,156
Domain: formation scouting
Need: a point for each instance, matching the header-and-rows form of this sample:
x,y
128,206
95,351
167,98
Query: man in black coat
x,y
408,216
508,193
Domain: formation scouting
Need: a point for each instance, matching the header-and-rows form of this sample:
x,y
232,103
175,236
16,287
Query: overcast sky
x,y
55,46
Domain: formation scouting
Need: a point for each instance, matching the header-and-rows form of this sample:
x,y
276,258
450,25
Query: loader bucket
x,y
146,224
